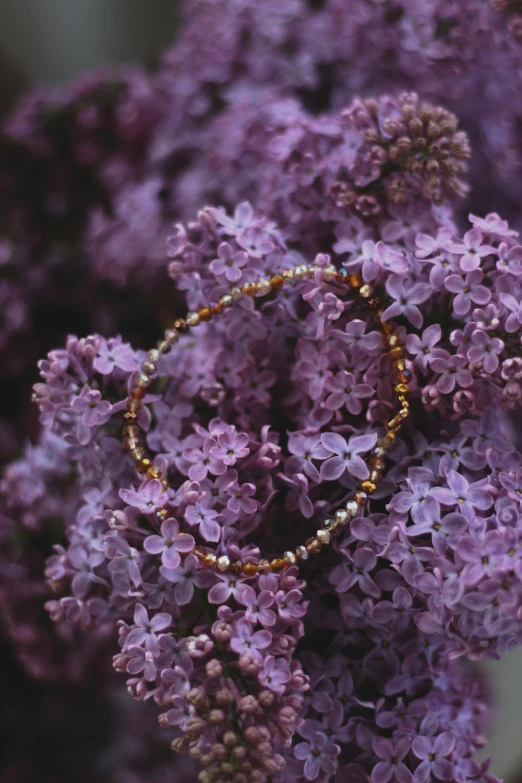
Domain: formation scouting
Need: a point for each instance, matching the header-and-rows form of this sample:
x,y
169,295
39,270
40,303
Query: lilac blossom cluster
x,y
357,666
349,667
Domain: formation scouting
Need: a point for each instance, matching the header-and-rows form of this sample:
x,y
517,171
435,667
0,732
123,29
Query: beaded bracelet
x,y
353,507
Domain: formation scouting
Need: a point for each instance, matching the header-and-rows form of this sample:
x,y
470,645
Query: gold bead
x,y
402,388
163,346
249,569
368,486
366,291
143,465
400,364
355,281
162,513
153,473
277,564
392,341
148,368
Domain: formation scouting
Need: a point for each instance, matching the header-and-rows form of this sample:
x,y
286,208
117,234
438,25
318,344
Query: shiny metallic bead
x,y
162,513
148,368
277,282
263,287
163,347
153,472
301,272
171,336
378,451
143,380
235,292
288,274
143,465
301,553
277,564
223,562
352,508
368,486
313,545
366,291
192,318
181,326
249,289
225,300
263,566
402,388
375,475
341,516
249,569
153,356
396,353
332,524
210,560
289,558
205,314
323,536
329,273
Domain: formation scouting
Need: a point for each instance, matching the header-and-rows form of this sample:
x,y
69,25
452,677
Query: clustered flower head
x,y
356,665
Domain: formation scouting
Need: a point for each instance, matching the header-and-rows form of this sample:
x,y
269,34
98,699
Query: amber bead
x,y
138,393
216,308
368,486
313,545
361,498
236,567
143,465
249,569
277,282
205,313
263,566
277,564
396,353
250,289
355,281
153,473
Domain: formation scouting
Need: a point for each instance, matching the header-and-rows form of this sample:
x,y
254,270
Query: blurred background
x,y
50,42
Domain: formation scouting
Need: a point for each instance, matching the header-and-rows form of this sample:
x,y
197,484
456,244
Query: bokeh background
x,y
50,42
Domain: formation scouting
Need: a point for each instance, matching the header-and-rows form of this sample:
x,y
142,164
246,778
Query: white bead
x,y
289,558
323,536
223,563
301,553
341,516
